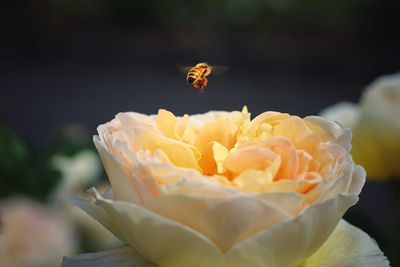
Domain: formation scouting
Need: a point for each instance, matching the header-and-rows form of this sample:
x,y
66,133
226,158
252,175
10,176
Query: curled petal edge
x,y
348,246
169,244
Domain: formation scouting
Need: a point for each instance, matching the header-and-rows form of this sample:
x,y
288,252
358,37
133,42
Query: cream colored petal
x,y
338,185
299,133
358,180
290,202
258,181
221,131
291,242
179,153
166,122
121,121
100,215
181,125
121,257
351,181
348,246
254,156
195,184
202,186
224,220
162,241
125,186
261,126
270,117
330,131
130,119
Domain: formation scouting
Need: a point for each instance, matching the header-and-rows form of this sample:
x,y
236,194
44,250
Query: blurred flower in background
x,y
77,172
376,126
42,221
375,122
33,235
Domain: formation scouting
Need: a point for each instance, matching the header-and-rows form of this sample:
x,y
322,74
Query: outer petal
x,y
158,239
329,131
122,257
348,246
125,186
291,242
224,220
99,214
352,180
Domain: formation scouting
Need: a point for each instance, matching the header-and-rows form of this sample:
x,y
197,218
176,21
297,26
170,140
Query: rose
x,y
33,235
219,190
376,126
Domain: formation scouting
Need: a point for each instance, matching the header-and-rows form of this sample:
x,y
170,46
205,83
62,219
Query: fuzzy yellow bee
x,y
197,75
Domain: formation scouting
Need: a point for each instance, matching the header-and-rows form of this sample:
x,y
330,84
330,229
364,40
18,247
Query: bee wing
x,y
220,69
183,69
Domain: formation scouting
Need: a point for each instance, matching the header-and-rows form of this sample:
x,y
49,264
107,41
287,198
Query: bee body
x,y
197,76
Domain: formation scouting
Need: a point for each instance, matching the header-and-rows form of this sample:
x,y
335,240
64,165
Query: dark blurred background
x,y
80,62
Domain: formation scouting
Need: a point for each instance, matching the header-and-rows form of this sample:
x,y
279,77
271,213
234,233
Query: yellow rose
x,y
221,190
376,126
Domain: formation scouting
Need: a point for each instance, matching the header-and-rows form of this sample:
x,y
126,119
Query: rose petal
x,y
291,242
254,156
297,131
213,157
358,180
329,131
180,154
224,220
221,131
348,246
125,186
292,203
158,239
100,215
166,122
258,181
351,181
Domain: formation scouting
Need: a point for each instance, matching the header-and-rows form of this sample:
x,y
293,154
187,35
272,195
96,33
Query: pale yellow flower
x,y
345,113
221,190
32,235
376,126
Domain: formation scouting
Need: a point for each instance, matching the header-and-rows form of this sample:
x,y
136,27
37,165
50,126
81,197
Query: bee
x,y
197,75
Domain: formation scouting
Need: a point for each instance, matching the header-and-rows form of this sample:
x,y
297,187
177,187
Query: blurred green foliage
x,y
26,169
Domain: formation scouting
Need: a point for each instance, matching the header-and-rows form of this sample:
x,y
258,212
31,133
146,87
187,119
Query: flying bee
x,y
197,75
